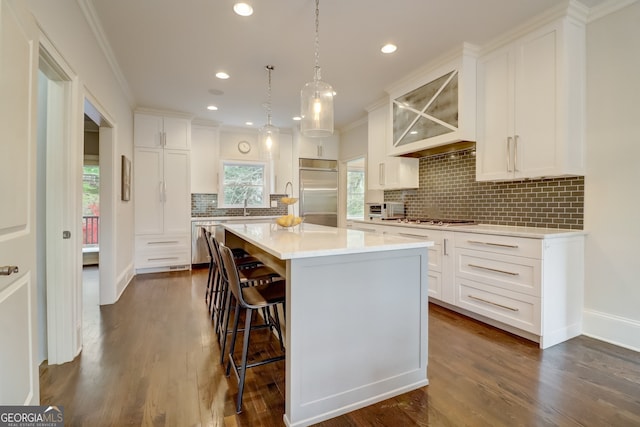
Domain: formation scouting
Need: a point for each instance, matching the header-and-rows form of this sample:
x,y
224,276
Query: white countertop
x,y
235,218
501,230
310,240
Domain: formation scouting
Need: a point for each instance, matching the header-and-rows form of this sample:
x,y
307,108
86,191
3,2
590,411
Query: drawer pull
x,y
162,259
166,242
413,235
502,245
510,273
493,303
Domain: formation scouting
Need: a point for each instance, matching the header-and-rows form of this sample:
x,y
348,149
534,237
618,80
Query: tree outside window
x,y
243,181
355,191
90,203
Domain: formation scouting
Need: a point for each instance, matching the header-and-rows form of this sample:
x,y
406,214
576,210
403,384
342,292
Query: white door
x,y
18,334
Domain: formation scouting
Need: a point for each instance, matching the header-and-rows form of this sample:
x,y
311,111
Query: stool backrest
x,y
231,270
216,255
206,234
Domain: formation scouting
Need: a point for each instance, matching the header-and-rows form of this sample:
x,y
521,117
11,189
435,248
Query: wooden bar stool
x,y
214,286
261,297
249,275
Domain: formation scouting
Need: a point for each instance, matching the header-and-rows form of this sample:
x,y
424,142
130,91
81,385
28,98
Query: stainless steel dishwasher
x,y
199,251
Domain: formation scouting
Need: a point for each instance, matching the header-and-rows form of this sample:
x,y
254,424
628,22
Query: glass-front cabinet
x,y
437,107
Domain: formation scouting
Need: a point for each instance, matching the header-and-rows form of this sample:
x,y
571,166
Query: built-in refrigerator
x,y
319,191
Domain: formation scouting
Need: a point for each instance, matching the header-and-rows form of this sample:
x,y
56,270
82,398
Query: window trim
x,y
265,183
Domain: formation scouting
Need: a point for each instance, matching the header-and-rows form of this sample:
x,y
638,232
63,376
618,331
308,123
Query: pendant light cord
x,y
317,43
269,70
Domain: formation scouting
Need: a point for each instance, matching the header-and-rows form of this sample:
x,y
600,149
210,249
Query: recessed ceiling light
x,y
222,75
243,9
297,118
388,48
248,123
212,108
413,132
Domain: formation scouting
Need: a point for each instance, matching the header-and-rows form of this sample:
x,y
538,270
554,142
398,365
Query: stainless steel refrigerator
x,y
319,191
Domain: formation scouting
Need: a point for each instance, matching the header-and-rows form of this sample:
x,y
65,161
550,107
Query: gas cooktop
x,y
436,221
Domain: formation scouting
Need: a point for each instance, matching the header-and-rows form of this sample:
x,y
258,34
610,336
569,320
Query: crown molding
x,y
346,128
93,20
608,8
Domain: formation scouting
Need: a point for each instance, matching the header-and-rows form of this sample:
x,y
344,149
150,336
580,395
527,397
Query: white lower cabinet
x,y
532,287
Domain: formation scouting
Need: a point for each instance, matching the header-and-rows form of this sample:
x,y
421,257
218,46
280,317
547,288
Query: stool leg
x,y
225,329
243,363
207,291
277,325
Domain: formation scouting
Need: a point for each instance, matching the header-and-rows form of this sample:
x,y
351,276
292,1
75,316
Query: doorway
x,y
90,224
59,229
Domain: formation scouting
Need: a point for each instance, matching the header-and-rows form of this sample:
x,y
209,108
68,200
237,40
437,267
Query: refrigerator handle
x,y
301,196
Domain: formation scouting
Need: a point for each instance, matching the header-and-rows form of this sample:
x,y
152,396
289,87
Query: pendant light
x,y
269,133
317,98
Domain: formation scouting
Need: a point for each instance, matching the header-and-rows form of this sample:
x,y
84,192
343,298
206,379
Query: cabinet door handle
x,y
160,192
166,242
319,150
495,270
381,174
515,153
164,139
164,191
446,248
8,270
162,259
501,245
413,235
493,303
509,154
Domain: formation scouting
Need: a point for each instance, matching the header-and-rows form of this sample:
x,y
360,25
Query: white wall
x,y
612,196
66,27
353,141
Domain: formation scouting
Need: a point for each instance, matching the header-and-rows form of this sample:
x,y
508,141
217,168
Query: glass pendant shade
x,y
269,135
316,100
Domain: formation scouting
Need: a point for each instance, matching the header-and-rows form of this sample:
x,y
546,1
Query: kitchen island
x,y
356,314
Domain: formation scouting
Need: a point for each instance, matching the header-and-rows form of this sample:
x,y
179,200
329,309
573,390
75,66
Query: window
x,y
90,201
244,181
355,189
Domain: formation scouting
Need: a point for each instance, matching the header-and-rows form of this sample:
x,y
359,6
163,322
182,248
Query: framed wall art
x,y
125,179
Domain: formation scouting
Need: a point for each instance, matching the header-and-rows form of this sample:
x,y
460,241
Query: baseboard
x,y
123,280
613,329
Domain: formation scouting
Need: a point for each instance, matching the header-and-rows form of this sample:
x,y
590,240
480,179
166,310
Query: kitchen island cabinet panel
x,y
338,360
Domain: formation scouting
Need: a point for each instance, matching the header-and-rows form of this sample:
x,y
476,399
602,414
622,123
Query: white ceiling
x,y
169,50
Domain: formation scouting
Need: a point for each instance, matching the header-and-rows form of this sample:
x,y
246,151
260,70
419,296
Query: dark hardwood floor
x,y
152,359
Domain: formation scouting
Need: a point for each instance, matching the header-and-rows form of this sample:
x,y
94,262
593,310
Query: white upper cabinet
x,y
531,105
435,107
282,164
385,172
157,131
205,159
318,148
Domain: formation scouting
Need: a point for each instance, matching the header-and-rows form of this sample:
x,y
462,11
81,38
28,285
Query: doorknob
x,y
8,270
